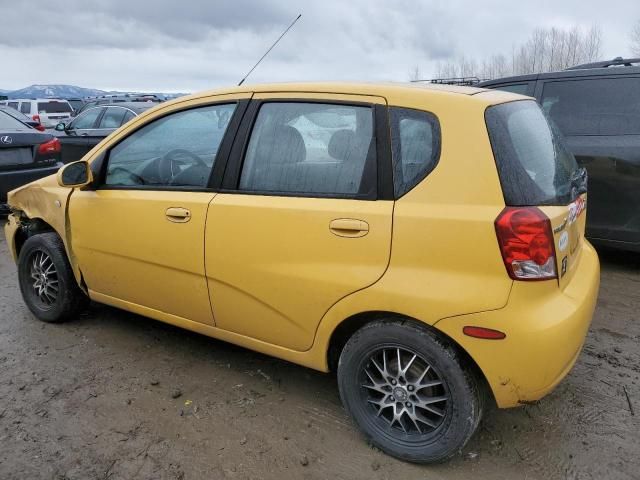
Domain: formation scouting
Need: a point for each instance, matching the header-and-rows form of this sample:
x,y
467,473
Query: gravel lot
x,y
118,396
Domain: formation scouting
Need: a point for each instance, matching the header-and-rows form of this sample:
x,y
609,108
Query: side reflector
x,y
486,333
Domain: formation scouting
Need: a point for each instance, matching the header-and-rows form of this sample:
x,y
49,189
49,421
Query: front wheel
x,y
408,391
47,283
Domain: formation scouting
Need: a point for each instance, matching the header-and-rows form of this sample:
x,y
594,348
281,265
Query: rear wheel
x,y
47,283
408,391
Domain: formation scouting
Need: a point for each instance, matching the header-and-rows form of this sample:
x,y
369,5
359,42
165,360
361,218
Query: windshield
x,y
534,165
7,122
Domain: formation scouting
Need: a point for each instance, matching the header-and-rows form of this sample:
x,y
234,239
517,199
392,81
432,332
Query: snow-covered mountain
x,y
61,91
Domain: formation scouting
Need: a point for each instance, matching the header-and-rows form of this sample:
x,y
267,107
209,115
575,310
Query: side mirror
x,y
61,127
75,174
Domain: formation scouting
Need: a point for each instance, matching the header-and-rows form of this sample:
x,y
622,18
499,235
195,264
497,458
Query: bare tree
x,y
415,74
547,49
635,39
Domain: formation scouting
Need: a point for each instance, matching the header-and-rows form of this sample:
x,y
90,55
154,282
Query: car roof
x,y
37,100
569,73
362,88
395,93
135,106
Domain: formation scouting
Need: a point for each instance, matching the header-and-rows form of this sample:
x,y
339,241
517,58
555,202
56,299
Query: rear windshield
x,y
54,107
534,165
10,123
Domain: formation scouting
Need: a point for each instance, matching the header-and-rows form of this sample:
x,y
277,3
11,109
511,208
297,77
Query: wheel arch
x,y
350,325
28,228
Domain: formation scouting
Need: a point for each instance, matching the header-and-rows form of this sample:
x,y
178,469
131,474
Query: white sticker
x,y
564,241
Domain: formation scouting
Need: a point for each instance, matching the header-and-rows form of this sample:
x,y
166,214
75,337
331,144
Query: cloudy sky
x,y
190,45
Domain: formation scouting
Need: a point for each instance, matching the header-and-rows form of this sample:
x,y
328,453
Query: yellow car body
x,y
276,274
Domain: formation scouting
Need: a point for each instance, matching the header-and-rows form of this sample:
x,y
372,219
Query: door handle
x,y
349,227
178,215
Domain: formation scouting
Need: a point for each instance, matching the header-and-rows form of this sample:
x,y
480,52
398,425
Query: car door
x,y
138,235
600,118
75,141
304,216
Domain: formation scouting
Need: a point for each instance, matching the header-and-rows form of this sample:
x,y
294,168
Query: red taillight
x,y
52,146
40,127
526,242
36,118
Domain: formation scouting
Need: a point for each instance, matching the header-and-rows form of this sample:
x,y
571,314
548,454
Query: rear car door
x,y
139,235
600,119
304,215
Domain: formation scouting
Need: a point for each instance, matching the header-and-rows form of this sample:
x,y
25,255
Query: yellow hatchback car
x,y
425,243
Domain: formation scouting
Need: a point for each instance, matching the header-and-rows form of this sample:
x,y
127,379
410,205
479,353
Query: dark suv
x,y
597,107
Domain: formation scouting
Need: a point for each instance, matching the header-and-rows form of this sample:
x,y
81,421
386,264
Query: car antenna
x,y
270,48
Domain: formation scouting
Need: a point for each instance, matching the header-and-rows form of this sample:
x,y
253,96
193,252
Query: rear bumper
x,y
12,179
545,327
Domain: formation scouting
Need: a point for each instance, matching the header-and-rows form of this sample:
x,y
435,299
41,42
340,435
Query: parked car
x,y
417,249
22,117
47,111
25,155
76,104
127,98
89,128
597,108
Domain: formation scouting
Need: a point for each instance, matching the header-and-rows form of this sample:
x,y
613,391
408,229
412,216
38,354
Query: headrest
x,y
341,144
284,146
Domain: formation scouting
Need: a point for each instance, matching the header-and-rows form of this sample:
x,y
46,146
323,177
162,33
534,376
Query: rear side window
x,y
311,149
10,123
605,106
54,107
415,141
534,165
25,107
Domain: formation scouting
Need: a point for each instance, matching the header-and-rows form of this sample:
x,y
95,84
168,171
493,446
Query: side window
x,y
415,143
520,88
605,106
13,105
177,150
86,120
25,107
129,115
311,149
112,117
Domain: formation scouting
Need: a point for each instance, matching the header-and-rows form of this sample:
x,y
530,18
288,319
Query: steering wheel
x,y
170,162
134,177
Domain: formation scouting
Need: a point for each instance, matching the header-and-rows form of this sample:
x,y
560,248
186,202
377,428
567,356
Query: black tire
x,y
51,305
453,407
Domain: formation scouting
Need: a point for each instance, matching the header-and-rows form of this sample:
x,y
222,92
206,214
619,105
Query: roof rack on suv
x,y
616,62
464,81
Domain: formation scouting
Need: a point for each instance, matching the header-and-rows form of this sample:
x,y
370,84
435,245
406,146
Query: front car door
x,y
600,118
304,215
139,235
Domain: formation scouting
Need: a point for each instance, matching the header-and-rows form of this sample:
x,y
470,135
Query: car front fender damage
x,y
41,206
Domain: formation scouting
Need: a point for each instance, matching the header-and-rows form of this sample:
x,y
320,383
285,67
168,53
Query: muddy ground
x,y
118,396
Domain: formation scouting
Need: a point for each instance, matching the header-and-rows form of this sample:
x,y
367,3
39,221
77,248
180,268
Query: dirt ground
x,y
118,396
